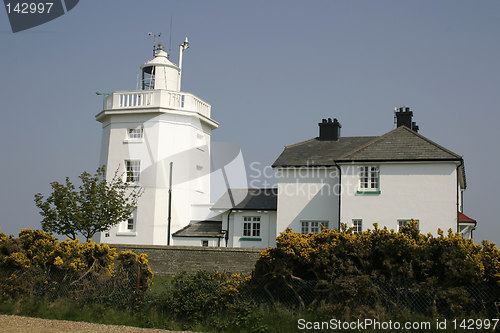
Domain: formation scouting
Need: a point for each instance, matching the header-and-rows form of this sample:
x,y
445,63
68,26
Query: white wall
x,y
307,194
267,236
171,136
197,241
423,191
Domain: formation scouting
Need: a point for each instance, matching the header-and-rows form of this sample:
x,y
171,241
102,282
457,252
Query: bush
x,y
343,271
37,265
203,293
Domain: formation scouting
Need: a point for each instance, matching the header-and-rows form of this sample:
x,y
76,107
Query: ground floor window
x,y
204,243
313,226
251,226
130,224
358,226
405,222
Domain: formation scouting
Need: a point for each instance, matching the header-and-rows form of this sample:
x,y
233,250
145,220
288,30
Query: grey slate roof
x,y
248,199
209,229
317,152
400,144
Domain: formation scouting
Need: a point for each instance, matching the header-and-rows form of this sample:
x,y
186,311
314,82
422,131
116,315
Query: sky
x,y
271,71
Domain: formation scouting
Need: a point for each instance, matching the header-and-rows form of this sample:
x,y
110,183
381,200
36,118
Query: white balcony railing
x,y
156,98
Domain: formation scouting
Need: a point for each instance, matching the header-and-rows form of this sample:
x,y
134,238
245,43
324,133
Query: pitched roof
x,y
248,199
317,152
400,144
201,229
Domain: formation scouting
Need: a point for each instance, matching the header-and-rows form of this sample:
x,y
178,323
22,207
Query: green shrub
x,y
203,293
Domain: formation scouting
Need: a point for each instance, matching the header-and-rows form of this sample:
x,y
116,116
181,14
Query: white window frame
x,y
132,171
135,134
357,225
405,222
369,178
251,226
312,226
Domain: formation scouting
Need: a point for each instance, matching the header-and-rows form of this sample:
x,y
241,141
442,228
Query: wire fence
x,y
123,287
377,297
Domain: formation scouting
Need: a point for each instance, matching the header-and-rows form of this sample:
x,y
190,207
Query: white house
x,y
158,138
389,180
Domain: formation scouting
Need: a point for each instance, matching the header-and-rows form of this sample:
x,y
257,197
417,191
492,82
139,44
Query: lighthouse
x,y
158,138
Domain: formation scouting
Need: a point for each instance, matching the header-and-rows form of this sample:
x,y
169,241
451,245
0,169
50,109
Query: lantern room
x,y
160,73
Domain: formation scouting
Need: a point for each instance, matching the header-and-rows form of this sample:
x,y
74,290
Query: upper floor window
x,y
132,169
369,178
251,226
313,226
358,226
135,133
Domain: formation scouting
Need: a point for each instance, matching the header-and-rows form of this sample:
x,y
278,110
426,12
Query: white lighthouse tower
x,y
158,138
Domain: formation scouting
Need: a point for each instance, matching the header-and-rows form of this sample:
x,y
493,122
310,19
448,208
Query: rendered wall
x,y
423,191
307,194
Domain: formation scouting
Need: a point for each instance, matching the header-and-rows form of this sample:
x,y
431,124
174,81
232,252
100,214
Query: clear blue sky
x,y
270,69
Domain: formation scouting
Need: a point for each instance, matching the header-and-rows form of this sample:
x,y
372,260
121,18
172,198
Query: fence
x,y
123,287
378,298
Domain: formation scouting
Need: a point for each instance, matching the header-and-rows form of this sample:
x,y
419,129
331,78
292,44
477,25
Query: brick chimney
x,y
329,130
404,118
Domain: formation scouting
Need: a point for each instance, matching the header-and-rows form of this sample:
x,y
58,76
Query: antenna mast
x,y
170,39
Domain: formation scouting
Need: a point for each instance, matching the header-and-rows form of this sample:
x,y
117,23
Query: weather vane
x,y
155,47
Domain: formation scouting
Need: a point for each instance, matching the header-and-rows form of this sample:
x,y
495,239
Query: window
x,y
133,169
402,223
369,178
135,133
130,224
251,226
313,226
358,226
204,243
148,78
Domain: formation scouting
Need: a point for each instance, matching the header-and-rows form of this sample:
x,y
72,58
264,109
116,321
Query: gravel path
x,y
35,325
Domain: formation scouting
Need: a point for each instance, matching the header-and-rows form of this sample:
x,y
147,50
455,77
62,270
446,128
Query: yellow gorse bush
x,y
380,253
37,262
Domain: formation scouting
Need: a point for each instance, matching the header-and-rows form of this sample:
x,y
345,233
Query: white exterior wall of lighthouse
x,y
167,137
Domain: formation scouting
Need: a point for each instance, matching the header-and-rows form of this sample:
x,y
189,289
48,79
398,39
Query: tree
x,y
95,207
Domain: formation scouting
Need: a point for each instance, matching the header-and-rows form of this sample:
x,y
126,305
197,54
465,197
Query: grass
x,y
260,319
241,317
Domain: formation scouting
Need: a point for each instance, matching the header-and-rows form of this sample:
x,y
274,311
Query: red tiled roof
x,y
464,218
